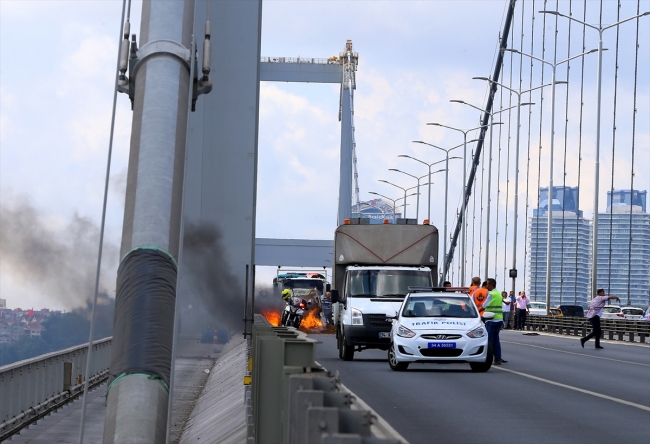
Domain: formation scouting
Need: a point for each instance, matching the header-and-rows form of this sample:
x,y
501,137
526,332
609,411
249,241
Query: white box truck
x,y
374,266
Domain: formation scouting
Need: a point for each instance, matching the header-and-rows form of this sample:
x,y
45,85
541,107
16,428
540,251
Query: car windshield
x,y
632,311
387,283
439,306
611,310
537,305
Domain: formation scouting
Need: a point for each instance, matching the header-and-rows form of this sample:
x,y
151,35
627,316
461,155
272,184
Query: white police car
x,y
439,327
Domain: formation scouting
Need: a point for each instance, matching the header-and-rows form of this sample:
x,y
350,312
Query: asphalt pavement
x,y
550,391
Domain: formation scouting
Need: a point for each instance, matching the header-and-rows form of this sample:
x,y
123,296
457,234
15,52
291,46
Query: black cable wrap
x,y
144,315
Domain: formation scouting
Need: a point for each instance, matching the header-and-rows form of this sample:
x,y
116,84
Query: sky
x,y
57,63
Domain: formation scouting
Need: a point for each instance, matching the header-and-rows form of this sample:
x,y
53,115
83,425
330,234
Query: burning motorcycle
x,y
294,312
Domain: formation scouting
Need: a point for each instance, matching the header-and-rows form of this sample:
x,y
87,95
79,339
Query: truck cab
x,y
374,267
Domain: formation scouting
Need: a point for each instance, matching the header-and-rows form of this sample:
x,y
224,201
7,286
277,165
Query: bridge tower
x,y
348,171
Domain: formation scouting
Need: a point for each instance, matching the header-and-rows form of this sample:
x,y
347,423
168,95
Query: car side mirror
x,y
391,318
334,293
488,315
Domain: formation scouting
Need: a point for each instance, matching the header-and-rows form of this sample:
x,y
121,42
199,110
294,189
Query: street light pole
x,y
463,236
417,211
446,191
403,189
600,29
429,165
392,200
549,208
516,212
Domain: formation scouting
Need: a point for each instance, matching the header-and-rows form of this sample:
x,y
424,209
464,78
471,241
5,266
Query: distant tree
x,y
66,330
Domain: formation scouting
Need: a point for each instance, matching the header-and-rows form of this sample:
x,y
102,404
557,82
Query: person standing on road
x,y
476,283
479,296
505,308
593,316
326,303
522,310
492,304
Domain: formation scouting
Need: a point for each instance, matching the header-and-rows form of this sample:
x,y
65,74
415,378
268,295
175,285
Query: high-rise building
x,y
570,248
624,247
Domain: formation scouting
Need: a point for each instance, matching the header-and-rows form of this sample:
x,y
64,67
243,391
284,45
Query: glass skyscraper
x,y
570,248
624,247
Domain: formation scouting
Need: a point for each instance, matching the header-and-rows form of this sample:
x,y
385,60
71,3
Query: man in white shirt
x,y
505,307
593,316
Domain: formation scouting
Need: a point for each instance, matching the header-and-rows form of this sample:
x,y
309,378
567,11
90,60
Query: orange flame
x,y
311,321
272,316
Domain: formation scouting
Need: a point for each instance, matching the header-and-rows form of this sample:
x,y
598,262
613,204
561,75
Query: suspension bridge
x,y
563,125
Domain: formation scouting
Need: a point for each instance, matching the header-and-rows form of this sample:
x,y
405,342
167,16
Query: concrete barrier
x,y
294,400
613,329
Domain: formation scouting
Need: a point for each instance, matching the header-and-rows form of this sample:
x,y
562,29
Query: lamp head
x,y
457,101
512,50
481,78
434,124
403,155
418,141
549,12
529,103
394,169
474,140
561,82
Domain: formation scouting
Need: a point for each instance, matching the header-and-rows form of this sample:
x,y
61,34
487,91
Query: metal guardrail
x,y
319,61
613,329
296,401
31,388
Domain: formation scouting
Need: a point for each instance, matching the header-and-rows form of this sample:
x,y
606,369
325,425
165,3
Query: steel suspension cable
x,y
109,156
496,225
636,70
566,131
611,203
530,116
539,161
582,105
505,235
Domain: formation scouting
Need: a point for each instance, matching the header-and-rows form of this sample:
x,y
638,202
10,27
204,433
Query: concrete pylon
x,y
146,281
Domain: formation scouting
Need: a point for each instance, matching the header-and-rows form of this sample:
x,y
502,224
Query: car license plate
x,y
384,334
442,345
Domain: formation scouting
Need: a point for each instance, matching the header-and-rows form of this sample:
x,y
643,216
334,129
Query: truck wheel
x,y
346,352
482,367
393,362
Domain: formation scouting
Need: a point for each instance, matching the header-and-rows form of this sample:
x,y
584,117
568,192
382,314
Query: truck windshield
x,y
439,306
386,283
304,284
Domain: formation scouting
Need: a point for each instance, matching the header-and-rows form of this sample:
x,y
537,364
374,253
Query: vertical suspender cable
x,y
505,235
611,202
629,246
530,116
101,229
496,225
582,105
566,130
539,163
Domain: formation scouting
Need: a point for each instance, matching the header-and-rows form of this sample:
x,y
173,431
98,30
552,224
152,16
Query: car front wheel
x,y
481,367
346,352
393,362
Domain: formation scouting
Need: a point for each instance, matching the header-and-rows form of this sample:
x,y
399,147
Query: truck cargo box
x,y
384,244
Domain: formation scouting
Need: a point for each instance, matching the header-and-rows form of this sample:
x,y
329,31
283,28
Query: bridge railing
x,y
320,61
613,329
31,388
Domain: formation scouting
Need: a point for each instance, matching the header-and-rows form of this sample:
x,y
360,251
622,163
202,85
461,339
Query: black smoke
x,y
60,261
216,295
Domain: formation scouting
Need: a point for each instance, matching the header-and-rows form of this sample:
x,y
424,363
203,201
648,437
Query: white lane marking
x,y
573,353
598,395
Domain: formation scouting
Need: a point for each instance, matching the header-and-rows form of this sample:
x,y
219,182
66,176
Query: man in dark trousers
x,y
593,316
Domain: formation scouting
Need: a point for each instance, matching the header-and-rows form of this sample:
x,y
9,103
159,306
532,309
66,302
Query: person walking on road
x,y
505,308
522,310
492,304
593,316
